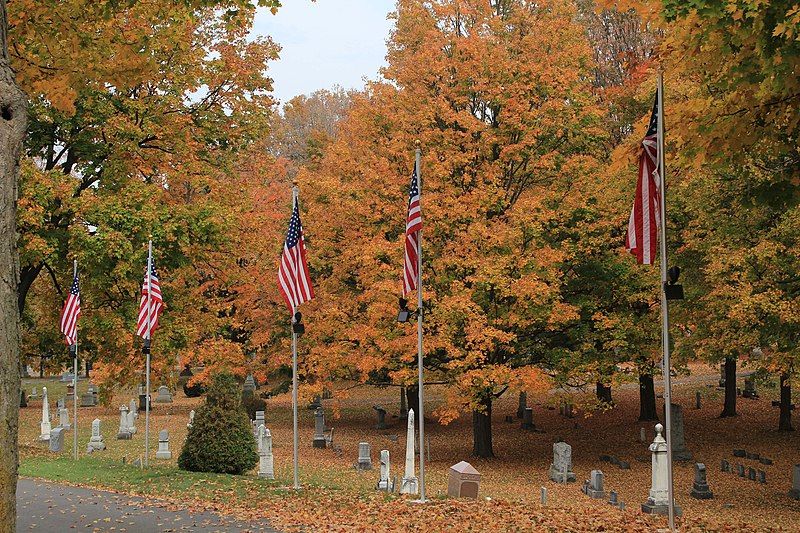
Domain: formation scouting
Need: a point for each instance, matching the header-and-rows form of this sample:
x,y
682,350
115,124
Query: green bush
x,y
252,403
221,437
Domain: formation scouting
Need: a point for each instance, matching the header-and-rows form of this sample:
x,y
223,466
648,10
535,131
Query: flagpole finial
x,y
294,182
417,143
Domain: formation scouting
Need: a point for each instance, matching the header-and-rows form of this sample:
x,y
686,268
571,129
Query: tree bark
x,y
13,123
785,421
482,430
730,388
603,392
647,398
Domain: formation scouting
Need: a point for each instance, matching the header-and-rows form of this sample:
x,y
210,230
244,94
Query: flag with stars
x,y
149,308
71,312
294,278
642,237
413,227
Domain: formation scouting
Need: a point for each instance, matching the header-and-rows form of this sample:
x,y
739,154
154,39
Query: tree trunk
x,y
13,118
604,393
730,388
412,398
785,422
647,398
482,430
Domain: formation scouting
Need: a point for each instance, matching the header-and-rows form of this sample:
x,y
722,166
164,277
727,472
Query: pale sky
x,y
326,43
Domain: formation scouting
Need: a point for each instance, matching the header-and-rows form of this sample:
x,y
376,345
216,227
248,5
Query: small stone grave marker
x,y
163,445
762,477
751,473
740,470
794,492
593,487
381,413
63,418
725,466
700,488
319,428
266,468
57,439
527,419
364,456
561,468
385,482
164,396
464,481
96,442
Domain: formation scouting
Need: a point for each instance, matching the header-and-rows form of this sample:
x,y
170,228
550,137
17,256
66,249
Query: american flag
x,y
294,278
413,226
148,317
642,237
71,312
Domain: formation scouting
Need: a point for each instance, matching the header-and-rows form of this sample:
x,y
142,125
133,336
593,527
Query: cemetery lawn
x,y
336,497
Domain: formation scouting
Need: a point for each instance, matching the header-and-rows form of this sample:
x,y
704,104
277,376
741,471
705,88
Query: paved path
x,y
49,507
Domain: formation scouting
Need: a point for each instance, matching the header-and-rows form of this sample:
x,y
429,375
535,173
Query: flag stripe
x,y
413,227
70,313
147,320
294,277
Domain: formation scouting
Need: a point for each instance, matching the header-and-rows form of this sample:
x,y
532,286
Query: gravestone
x,y
34,393
794,492
725,466
523,404
762,477
642,435
593,487
315,404
750,389
700,488
464,481
94,391
697,400
385,482
679,450
63,418
381,412
543,495
266,460
527,419
765,461
191,419
61,403
96,442
23,401
658,499
259,421
249,384
319,428
561,468
45,425
123,433
751,473
364,456
143,399
613,498
740,470
164,396
131,422
408,485
163,445
403,404
57,439
624,465
132,408
739,453
67,377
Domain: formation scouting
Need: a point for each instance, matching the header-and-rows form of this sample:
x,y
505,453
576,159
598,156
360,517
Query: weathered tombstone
x,y
613,498
561,468
593,487
464,481
319,428
765,461
164,396
762,477
527,419
94,391
658,500
66,377
163,445
34,393
57,439
697,400
63,418
614,460
96,442
624,465
642,435
750,389
700,488
543,495
408,484
131,422
794,492
259,421
249,384
679,450
191,419
385,482
45,425
364,456
739,453
725,466
381,412
751,473
61,403
523,404
142,398
740,470
132,408
266,460
123,433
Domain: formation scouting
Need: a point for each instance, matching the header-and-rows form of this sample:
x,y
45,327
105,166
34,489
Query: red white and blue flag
x,y
413,227
294,278
71,312
149,308
642,237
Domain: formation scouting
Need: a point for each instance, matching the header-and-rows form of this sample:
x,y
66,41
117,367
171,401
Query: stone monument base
x,y
794,493
661,508
701,492
558,476
163,454
124,435
319,442
409,485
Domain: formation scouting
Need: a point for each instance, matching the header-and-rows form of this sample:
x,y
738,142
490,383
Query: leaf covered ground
x,y
338,498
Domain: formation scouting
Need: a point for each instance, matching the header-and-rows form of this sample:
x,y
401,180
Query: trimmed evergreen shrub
x,y
221,437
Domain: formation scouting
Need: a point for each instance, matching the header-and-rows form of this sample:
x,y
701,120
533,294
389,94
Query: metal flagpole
x,y
75,376
417,162
296,442
146,349
664,301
